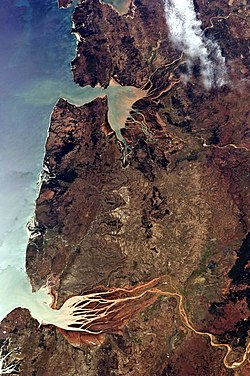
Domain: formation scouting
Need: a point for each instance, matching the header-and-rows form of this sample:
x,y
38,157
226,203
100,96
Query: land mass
x,y
64,3
174,202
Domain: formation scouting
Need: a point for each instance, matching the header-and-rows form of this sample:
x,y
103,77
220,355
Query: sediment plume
x,y
86,319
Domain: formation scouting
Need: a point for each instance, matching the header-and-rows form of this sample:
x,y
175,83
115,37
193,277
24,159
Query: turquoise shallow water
x,y
35,71
37,47
119,5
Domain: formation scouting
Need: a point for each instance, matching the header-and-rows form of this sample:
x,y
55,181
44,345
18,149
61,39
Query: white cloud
x,y
186,33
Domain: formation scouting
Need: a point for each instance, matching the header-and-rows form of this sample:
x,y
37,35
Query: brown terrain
x,y
63,3
175,203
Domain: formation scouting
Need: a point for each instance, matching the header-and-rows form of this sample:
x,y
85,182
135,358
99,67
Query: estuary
x,y
35,73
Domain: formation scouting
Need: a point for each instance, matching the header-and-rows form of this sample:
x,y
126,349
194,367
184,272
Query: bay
x,y
35,71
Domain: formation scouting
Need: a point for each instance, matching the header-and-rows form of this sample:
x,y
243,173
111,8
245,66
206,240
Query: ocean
x,y
37,48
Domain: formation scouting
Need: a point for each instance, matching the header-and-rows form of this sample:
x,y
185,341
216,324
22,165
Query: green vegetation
x,y
202,268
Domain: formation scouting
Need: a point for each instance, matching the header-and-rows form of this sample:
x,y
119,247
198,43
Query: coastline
x,y
177,209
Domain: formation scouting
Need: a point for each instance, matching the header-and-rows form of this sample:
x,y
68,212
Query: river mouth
x,y
156,217
121,6
36,73
120,98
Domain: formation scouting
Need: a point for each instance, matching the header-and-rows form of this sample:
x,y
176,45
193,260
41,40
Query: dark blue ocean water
x,y
36,47
36,50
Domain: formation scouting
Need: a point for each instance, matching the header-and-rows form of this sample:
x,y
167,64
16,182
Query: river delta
x,y
144,176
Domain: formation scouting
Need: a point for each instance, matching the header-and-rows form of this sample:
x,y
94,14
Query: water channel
x,y
35,71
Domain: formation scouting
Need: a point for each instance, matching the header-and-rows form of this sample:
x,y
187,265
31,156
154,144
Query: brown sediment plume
x,y
88,318
128,99
123,8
